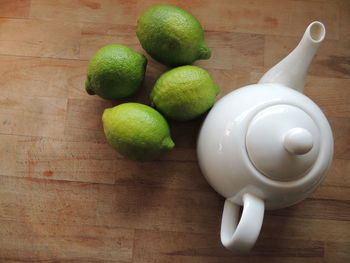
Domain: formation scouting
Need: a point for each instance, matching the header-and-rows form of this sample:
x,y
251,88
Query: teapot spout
x,y
292,70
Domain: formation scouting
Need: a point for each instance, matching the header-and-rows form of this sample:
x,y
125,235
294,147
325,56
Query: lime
x,y
115,72
184,93
172,35
137,131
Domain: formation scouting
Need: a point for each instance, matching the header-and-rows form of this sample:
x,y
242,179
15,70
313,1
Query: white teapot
x,y
266,145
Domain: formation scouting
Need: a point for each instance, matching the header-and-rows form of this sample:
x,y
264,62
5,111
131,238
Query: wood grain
x,y
104,11
62,243
238,51
331,94
39,38
42,77
332,60
67,196
274,17
32,116
152,246
14,8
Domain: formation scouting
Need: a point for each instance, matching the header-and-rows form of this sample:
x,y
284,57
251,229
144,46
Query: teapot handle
x,y
241,235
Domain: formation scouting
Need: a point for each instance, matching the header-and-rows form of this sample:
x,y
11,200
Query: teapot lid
x,y
282,142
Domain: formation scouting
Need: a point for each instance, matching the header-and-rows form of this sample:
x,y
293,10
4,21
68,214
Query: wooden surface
x,y
66,196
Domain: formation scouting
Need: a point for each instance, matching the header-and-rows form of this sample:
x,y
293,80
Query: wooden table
x,y
66,196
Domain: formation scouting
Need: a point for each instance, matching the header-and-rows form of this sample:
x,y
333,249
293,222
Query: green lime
x,y
115,72
184,93
137,131
172,35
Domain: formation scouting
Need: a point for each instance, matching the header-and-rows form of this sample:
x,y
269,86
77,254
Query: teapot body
x,y
266,146
222,146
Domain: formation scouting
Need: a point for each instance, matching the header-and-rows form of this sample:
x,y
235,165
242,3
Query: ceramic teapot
x,y
266,146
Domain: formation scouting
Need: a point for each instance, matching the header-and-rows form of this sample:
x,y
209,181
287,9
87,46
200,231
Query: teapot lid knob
x,y
298,141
